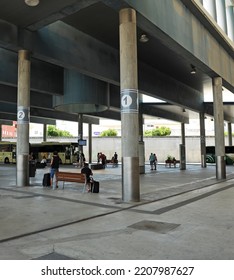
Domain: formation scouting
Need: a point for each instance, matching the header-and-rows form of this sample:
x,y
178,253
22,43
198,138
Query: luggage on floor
x,y
95,187
46,180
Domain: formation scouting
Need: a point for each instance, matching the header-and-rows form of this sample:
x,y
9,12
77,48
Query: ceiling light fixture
x,y
193,70
32,3
144,38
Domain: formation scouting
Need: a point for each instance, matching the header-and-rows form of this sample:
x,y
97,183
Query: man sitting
x,y
88,173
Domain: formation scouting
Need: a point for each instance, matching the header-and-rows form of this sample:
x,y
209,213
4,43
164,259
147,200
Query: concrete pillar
x,y
44,132
219,128
129,105
210,6
23,118
0,132
141,143
80,130
230,22
90,143
202,139
182,148
221,14
229,134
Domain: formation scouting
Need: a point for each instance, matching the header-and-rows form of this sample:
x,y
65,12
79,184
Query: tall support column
x,y
141,143
129,105
44,132
202,139
23,118
90,143
0,132
80,130
219,128
182,148
230,134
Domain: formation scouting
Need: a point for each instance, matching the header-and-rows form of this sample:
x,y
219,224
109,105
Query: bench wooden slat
x,y
71,177
171,162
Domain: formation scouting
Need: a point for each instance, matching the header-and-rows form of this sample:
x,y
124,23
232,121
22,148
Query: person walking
x,y
151,160
54,169
155,162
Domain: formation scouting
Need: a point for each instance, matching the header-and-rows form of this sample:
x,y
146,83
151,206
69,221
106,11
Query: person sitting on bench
x,y
88,173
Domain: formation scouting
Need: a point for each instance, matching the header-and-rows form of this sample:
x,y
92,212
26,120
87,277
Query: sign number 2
x,y
21,115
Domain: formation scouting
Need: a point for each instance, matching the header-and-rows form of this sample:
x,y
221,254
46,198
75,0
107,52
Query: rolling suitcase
x,y
95,187
46,180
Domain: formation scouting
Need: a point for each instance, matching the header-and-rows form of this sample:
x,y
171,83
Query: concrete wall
x,y
162,146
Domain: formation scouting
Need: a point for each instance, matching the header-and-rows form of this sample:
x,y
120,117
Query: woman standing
x,y
54,169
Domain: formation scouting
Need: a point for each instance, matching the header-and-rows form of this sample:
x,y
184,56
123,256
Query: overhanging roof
x,y
84,35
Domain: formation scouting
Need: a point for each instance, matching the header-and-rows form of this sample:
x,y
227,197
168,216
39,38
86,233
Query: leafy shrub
x,y
161,131
109,132
52,130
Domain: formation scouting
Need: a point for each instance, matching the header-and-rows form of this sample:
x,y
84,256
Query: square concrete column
x,y
230,134
141,141
90,142
182,148
80,131
219,128
129,105
44,132
202,139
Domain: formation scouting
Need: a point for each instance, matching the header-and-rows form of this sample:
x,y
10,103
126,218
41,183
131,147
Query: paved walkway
x,y
183,214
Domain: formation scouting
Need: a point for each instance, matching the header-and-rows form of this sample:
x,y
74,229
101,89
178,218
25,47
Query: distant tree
x,y
52,130
109,132
161,131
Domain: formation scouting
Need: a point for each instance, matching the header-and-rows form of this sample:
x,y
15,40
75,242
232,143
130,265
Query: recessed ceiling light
x,y
144,38
32,3
193,70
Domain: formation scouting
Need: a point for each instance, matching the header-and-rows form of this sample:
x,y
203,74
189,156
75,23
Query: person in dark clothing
x,y
54,168
88,173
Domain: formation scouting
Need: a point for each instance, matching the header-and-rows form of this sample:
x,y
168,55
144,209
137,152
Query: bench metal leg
x,y
84,187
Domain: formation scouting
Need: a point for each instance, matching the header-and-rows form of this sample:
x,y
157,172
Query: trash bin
x,y
32,169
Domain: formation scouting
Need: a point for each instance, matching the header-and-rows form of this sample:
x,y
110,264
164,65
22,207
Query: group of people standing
x,y
153,161
101,158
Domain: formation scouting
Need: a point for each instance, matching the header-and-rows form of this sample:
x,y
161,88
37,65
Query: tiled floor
x,y
183,214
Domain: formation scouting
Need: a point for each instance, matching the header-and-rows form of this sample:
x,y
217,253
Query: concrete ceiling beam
x,y
161,113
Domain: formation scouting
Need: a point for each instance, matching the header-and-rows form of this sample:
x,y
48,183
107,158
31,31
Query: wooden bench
x,y
71,177
171,162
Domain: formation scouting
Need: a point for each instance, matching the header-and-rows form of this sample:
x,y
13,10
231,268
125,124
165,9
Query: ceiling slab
x,y
84,35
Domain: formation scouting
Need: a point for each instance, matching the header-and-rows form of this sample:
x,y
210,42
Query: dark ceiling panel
x,y
100,20
18,13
